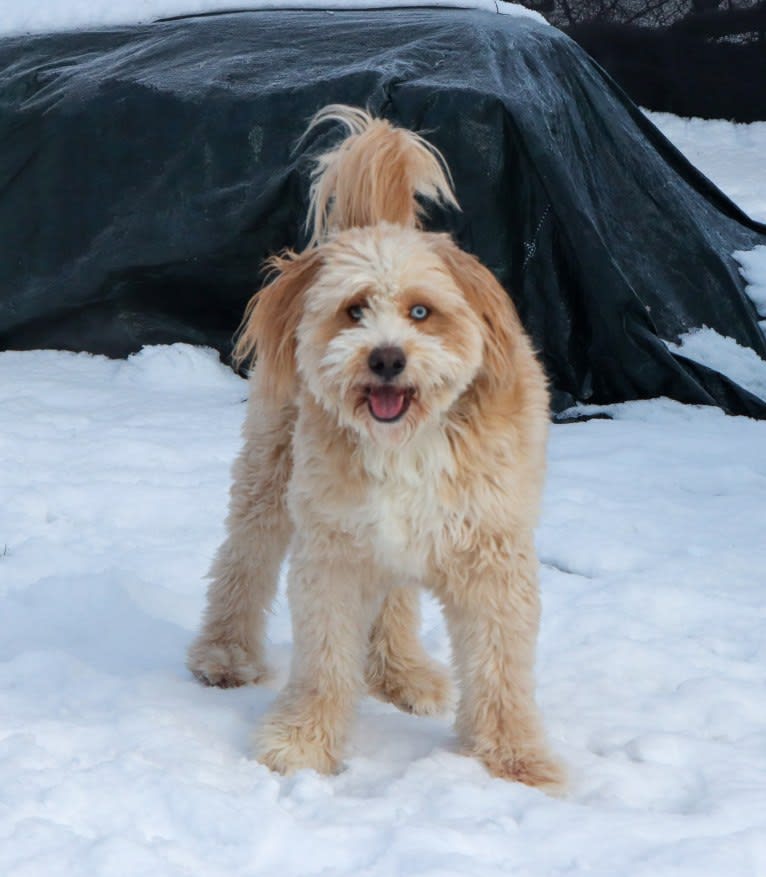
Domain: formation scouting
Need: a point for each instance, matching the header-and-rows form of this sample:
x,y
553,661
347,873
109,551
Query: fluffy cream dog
x,y
395,438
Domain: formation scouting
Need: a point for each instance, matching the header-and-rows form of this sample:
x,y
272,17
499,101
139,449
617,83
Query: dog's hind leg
x,y
398,668
229,650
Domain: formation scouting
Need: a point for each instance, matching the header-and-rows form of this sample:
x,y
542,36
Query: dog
x,y
394,439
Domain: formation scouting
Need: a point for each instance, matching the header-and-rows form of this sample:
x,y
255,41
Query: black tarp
x,y
146,172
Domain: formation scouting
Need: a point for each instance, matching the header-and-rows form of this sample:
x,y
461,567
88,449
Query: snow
x,y
651,670
724,355
42,16
753,269
113,761
729,153
732,156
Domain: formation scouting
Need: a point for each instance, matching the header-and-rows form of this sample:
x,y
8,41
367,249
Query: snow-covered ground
x,y
732,155
652,658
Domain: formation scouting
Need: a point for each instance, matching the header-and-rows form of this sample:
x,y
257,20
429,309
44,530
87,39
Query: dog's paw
x,y
424,689
286,747
224,664
530,765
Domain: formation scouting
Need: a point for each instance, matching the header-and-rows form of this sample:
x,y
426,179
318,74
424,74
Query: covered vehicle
x,y
147,171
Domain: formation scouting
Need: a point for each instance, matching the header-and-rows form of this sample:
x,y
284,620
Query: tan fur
x,y
373,175
398,669
446,497
271,320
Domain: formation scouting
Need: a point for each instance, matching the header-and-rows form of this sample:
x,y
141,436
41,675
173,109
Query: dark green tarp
x,y
146,172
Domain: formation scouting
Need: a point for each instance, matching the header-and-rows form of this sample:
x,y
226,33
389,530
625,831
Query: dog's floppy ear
x,y
501,327
268,329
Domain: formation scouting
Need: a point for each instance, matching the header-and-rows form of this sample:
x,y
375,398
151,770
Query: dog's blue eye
x,y
419,312
355,312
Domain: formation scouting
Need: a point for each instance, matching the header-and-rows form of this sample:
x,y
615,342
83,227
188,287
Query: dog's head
x,y
385,327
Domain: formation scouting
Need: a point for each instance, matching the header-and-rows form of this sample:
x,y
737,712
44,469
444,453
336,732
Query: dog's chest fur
x,y
403,513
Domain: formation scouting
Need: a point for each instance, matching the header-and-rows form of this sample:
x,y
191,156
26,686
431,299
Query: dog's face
x,y
386,341
385,327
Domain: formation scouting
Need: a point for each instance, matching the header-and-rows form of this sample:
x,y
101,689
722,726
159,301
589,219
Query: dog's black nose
x,y
387,362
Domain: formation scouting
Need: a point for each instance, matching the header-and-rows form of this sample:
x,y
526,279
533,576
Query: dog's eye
x,y
419,312
356,312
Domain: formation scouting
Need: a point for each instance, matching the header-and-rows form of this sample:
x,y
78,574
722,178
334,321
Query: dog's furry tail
x,y
374,175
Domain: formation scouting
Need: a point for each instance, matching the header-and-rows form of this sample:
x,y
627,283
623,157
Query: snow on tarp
x,y
740,364
753,269
146,172
54,15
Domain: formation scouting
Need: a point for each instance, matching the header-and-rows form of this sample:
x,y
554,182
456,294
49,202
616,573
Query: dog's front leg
x,y
333,603
492,607
229,650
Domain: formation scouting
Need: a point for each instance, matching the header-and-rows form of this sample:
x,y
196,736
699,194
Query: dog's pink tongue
x,y
386,402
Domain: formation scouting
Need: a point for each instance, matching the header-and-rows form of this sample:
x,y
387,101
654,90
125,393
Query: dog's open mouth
x,y
388,403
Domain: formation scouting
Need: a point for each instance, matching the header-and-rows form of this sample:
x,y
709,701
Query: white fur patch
x,y
404,512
